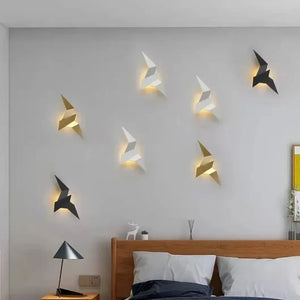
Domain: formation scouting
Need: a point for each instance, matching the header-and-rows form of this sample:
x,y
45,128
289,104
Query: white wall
x,y
98,71
4,175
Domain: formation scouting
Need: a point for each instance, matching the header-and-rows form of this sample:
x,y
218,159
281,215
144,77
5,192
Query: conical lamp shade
x,y
66,251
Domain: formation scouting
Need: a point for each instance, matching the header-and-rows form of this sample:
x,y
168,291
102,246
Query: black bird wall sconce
x,y
64,200
263,74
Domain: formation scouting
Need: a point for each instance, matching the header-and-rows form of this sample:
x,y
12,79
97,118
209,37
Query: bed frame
x,y
122,260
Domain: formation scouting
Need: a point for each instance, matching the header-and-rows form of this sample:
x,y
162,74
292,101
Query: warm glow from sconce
x,y
253,72
203,112
127,163
142,76
62,211
54,197
122,150
196,98
130,164
148,89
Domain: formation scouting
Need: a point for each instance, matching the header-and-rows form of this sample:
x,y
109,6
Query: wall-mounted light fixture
x,y
206,165
64,200
263,75
205,103
69,118
130,154
151,79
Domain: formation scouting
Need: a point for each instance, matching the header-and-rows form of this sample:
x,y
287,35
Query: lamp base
x,y
64,292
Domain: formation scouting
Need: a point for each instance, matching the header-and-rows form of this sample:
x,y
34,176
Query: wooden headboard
x,y
122,259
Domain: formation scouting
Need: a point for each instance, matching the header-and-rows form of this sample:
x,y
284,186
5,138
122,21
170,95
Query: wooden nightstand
x,y
85,297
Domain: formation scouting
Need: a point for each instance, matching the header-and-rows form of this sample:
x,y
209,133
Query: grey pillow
x,y
151,266
165,266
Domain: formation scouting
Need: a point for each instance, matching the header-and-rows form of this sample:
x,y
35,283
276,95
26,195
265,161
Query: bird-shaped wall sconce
x,y
263,74
64,200
69,118
206,165
205,103
130,154
151,79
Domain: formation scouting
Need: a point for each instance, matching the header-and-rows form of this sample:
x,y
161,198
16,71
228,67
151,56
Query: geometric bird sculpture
x,y
64,200
206,165
130,154
263,75
205,102
69,118
151,78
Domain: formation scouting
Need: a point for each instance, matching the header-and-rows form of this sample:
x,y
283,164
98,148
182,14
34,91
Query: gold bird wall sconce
x,y
206,165
69,118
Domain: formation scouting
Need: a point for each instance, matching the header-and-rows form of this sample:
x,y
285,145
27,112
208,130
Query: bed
x,y
122,256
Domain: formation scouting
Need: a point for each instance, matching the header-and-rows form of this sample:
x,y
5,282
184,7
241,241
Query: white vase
x,y
145,237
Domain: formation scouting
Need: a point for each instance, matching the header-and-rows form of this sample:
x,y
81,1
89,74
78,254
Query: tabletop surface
x,y
53,296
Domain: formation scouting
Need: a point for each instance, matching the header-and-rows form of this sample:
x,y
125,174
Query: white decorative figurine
x,y
132,232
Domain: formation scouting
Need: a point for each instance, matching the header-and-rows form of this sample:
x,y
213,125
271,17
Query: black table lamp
x,y
66,251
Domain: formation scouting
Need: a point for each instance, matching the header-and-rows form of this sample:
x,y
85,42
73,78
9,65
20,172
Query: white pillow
x,y
165,266
273,278
150,266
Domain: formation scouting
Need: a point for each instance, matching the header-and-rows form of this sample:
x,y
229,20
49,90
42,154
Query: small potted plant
x,y
145,235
